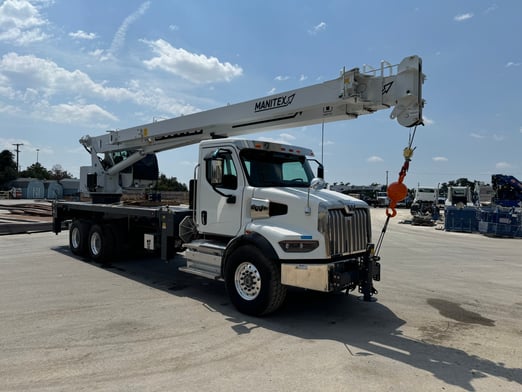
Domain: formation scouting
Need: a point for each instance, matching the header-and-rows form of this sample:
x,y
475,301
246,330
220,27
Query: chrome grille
x,y
348,233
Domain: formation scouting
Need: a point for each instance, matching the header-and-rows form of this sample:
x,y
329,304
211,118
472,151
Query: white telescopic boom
x,y
350,95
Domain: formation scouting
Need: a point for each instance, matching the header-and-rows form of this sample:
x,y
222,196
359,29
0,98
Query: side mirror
x,y
317,183
320,167
216,171
320,171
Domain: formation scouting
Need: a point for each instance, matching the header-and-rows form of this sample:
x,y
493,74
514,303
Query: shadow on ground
x,y
365,329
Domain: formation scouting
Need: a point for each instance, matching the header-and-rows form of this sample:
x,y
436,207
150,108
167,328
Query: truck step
x,y
200,272
206,246
204,258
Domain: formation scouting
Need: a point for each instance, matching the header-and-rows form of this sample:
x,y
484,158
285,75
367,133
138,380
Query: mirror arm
x,y
231,199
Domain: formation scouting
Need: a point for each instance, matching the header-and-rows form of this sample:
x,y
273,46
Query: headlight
x,y
298,246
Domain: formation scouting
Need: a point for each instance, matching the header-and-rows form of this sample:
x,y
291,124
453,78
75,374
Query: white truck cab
x,y
254,186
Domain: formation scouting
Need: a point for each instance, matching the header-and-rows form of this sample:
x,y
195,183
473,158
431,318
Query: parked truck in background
x,y
424,200
424,208
382,199
260,218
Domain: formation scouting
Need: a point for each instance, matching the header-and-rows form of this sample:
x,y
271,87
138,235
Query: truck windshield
x,y
270,168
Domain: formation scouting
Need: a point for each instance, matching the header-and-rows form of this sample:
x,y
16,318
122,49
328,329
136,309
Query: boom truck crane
x,y
258,217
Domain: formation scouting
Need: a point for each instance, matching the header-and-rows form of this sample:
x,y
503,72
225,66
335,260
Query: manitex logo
x,y
274,103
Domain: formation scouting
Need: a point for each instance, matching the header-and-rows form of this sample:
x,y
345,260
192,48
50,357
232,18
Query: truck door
x,y
219,196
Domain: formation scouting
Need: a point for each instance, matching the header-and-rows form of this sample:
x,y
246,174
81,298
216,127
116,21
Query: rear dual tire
x,y
98,242
101,243
78,237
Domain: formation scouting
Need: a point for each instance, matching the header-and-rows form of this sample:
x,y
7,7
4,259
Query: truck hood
x,y
303,218
298,197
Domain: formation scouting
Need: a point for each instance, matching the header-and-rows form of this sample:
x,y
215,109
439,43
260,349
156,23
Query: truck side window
x,y
221,171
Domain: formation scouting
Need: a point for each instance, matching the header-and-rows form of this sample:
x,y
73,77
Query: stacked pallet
x,y
25,217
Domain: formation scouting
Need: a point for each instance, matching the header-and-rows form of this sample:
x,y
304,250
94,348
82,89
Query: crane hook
x,y
397,191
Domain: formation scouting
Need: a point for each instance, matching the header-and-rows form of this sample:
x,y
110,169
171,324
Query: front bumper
x,y
333,276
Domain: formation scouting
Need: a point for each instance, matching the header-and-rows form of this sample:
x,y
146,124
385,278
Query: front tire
x,y
253,282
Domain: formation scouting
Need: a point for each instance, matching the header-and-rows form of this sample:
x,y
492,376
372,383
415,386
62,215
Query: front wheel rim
x,y
247,281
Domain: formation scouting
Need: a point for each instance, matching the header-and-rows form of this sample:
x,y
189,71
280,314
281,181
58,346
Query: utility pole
x,y
17,152
37,151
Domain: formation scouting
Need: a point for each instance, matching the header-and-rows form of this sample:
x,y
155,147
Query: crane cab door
x,y
219,194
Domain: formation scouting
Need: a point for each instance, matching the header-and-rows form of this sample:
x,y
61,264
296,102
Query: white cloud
x,y
427,121
498,137
281,78
440,159
119,38
21,22
80,34
98,53
463,17
74,113
317,28
512,64
196,68
52,93
302,78
10,109
157,99
288,137
476,135
44,78
374,159
491,8
503,165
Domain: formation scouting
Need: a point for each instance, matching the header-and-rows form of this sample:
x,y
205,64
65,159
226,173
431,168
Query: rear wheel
x,y
253,282
78,237
101,243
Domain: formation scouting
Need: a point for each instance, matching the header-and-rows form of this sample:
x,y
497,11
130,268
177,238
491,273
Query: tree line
x,y
9,172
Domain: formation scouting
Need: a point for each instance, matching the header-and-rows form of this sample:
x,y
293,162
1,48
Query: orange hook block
x,y
397,192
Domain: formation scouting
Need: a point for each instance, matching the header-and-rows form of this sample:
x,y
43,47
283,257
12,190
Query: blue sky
x,y
74,67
